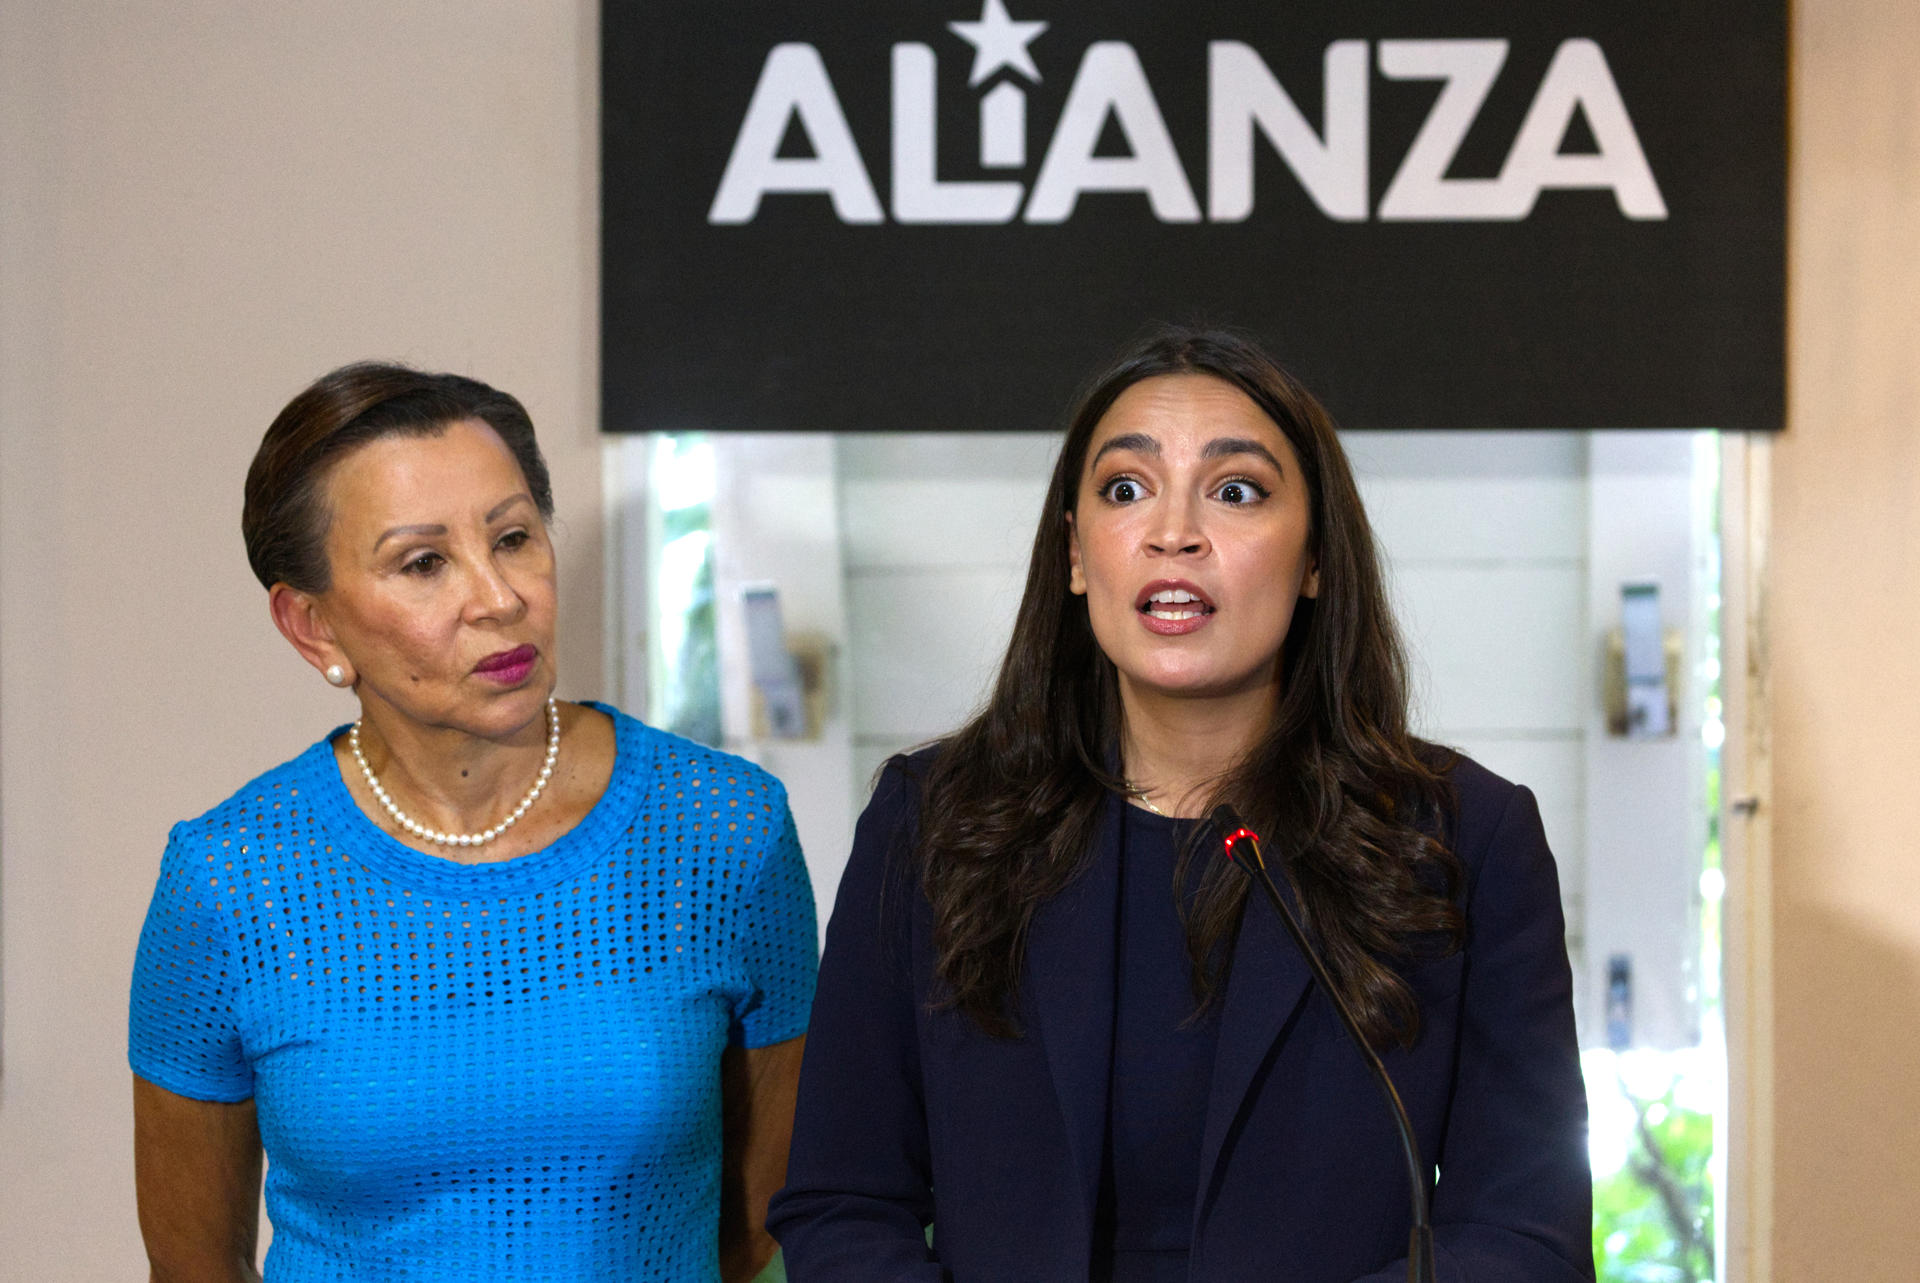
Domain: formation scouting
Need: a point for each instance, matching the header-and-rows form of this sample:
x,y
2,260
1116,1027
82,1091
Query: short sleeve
x,y
182,1030
779,942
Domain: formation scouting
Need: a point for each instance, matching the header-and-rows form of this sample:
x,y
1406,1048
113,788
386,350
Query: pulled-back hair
x,y
1349,800
285,517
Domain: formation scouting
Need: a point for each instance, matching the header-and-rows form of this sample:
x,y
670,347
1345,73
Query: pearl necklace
x,y
426,834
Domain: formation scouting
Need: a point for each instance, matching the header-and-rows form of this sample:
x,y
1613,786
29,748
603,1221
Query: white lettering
x,y
918,194
1578,78
1003,127
1110,80
794,83
1420,188
1245,102
1242,93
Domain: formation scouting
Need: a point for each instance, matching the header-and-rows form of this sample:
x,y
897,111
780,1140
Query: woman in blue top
x,y
506,987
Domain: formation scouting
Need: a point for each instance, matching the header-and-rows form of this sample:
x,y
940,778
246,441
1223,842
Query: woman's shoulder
x,y
644,750
890,821
1488,812
272,795
896,787
1473,787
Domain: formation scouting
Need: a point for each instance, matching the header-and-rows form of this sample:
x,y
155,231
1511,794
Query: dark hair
x,y
285,518
1349,801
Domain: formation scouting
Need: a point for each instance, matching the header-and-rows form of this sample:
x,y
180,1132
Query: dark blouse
x,y
1162,1068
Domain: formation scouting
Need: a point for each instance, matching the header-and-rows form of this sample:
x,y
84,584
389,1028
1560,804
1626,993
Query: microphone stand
x,y
1420,1242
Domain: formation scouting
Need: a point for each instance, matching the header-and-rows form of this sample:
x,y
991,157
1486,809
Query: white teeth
x,y
1175,604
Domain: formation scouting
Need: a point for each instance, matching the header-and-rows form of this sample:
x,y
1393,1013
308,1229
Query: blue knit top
x,y
466,1071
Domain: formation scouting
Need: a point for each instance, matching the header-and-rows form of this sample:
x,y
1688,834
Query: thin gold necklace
x,y
1139,795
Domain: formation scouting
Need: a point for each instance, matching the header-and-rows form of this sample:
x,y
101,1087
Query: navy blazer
x,y
909,1116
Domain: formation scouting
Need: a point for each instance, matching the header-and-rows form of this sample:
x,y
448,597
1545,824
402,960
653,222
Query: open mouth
x,y
1174,605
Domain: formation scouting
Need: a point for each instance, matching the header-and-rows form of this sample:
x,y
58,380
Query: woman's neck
x,y
448,779
1174,749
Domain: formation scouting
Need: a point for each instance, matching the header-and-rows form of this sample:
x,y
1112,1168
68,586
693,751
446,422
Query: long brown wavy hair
x,y
1349,801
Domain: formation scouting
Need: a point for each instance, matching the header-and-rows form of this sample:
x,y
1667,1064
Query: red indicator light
x,y
1236,835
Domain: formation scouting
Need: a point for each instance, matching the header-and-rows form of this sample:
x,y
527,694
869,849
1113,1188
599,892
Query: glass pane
x,y
900,559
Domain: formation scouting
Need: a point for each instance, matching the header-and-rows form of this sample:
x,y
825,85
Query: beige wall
x,y
202,206
1845,657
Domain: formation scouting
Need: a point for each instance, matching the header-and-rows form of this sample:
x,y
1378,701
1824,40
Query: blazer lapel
x,y
1265,989
1070,993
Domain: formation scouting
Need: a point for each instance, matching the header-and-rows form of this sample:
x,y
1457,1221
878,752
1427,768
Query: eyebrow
x,y
398,531
434,530
1218,448
1138,442
507,503
1226,447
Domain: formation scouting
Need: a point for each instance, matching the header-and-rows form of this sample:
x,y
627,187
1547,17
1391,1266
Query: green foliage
x,y
1653,1219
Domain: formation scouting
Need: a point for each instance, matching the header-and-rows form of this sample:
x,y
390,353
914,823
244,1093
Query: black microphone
x,y
1420,1245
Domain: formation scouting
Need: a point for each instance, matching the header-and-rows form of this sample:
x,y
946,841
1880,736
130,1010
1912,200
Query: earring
x,y
336,675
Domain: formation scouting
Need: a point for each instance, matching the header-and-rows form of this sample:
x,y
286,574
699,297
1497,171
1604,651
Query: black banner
x,y
917,215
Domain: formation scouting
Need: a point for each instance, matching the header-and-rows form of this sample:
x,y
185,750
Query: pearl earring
x,y
336,675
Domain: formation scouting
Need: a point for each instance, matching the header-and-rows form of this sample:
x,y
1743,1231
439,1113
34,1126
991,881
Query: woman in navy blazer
x,y
1050,1025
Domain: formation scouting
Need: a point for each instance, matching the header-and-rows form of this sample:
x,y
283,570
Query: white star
x,y
998,41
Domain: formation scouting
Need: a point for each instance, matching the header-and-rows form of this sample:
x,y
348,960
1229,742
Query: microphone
x,y
1420,1244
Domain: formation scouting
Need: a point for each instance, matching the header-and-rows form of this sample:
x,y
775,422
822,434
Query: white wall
x,y
937,530
204,205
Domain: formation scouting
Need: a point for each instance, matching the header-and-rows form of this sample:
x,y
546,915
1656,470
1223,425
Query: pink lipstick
x,y
508,667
